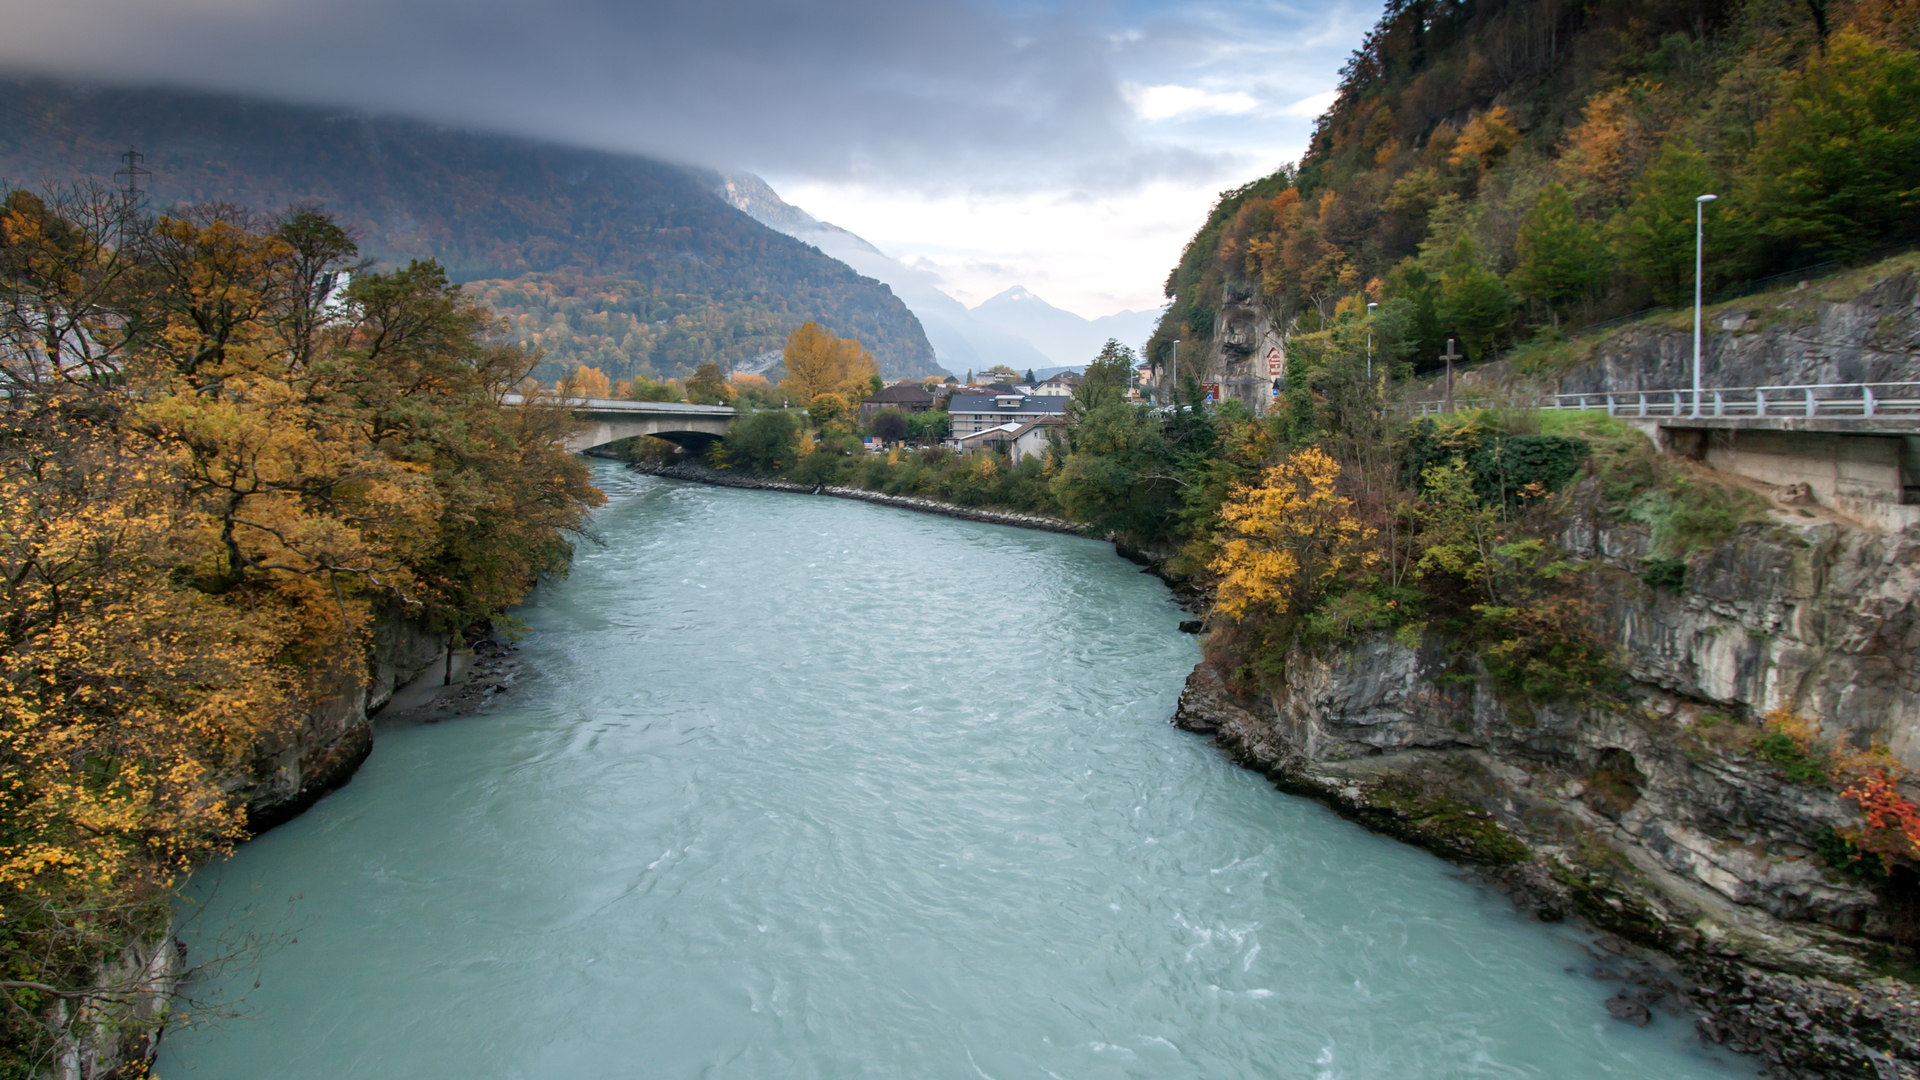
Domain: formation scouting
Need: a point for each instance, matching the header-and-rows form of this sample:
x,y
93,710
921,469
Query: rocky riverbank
x,y
1646,816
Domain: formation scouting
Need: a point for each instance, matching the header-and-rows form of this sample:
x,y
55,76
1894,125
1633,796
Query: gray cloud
x,y
941,96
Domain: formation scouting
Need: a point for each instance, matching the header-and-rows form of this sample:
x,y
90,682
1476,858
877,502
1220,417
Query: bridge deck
x,y
629,408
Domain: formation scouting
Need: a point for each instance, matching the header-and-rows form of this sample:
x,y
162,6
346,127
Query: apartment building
x,y
977,412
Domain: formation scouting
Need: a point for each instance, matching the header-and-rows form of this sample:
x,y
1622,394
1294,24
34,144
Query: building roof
x,y
1040,421
991,403
901,394
1004,431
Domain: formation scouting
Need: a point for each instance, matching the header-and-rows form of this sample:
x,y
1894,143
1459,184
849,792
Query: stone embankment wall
x,y
1638,814
698,473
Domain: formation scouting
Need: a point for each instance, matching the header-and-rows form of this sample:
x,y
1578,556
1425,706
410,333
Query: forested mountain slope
x,y
1496,170
625,263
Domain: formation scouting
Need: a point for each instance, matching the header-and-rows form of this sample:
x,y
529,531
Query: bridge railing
x,y
621,405
1793,400
1867,400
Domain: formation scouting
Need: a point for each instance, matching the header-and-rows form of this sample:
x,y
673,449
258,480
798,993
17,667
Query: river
x,y
804,787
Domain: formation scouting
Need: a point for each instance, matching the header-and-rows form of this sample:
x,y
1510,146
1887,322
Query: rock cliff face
x,y
331,740
286,777
1826,334
1637,814
1859,327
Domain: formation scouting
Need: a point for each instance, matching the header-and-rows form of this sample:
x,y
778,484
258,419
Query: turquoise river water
x,y
801,787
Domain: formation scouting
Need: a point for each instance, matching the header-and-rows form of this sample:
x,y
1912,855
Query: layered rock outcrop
x,y
1642,813
1806,335
329,742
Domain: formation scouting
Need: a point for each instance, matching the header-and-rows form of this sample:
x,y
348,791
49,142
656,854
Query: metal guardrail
x,y
1865,400
1804,400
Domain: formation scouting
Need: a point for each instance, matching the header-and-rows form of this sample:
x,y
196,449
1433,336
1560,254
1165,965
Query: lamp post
x,y
1370,306
1699,250
1173,373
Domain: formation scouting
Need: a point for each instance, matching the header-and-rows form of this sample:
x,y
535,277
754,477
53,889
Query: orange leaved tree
x,y
1287,539
220,463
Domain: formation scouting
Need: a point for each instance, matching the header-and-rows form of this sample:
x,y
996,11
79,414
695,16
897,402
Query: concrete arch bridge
x,y
607,420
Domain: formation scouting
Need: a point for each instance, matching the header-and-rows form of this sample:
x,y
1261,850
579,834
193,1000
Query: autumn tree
x,y
708,386
585,382
829,412
645,389
1286,540
819,363
60,282
219,466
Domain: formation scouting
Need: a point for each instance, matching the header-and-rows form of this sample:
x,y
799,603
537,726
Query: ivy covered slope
x,y
614,261
1506,169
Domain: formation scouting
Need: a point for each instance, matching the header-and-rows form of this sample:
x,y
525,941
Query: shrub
x,y
1793,743
1668,574
829,412
762,442
889,426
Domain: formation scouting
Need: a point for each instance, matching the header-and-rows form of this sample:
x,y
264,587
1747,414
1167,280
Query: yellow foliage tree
x,y
829,412
218,462
1287,539
585,382
819,363
1485,140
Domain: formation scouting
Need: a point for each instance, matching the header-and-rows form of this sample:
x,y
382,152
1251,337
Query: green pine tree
x,y
1837,168
1474,303
1559,256
1654,235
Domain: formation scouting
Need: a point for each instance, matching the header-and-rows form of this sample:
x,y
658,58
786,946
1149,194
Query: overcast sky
x,y
1070,148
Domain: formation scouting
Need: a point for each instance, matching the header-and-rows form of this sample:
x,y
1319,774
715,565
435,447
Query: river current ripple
x,y
804,787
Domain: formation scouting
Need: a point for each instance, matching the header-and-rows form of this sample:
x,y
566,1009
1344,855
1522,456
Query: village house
x,y
906,397
974,413
1034,437
999,437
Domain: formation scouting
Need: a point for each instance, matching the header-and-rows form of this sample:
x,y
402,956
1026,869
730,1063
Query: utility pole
x,y
1173,373
1450,356
1699,252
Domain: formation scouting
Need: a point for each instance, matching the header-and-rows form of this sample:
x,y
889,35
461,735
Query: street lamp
x,y
1699,248
1173,373
1370,306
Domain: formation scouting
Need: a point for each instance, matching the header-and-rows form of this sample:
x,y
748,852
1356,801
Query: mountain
x,y
1066,338
1498,172
961,342
622,262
